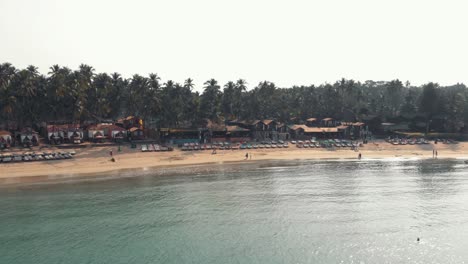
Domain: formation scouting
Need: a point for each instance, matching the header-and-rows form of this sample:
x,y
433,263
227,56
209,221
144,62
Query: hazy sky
x,y
287,42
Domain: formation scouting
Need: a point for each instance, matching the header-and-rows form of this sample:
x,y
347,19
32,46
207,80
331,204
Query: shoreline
x,y
95,161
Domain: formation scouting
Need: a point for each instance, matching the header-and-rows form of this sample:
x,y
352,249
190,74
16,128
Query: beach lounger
x,y
150,147
144,148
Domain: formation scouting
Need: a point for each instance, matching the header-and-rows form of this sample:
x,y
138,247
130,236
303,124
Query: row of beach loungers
x,y
417,141
326,144
155,148
221,146
27,157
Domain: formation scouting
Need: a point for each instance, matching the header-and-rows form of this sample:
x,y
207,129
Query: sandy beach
x,y
94,160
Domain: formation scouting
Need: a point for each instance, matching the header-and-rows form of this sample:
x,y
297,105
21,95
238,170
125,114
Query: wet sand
x,y
92,161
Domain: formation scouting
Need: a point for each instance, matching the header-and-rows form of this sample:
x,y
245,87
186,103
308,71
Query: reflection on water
x,y
272,212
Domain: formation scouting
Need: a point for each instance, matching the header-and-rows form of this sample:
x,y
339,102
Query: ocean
x,y
341,211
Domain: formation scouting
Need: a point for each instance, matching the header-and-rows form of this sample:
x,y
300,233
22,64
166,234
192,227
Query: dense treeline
x,y
28,97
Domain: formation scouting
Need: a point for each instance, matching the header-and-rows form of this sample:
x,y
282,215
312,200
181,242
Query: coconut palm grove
x,y
28,97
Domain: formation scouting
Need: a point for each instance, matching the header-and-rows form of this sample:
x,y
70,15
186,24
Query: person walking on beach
x,y
359,156
436,154
112,156
247,156
433,153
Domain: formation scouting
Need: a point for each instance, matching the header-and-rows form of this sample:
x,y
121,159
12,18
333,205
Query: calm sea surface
x,y
273,212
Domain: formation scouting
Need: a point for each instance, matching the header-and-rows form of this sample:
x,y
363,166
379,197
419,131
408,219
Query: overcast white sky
x,y
287,42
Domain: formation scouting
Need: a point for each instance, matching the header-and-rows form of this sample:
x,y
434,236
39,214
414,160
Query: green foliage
x,y
27,97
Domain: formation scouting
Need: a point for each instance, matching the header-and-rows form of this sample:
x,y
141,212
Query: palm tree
x,y
210,100
189,83
228,99
7,97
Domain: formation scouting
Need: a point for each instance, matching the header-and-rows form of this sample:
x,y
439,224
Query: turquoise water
x,y
272,212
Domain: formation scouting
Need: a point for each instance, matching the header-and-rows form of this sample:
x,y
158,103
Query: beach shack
x,y
114,132
356,130
96,133
264,129
258,125
100,132
74,134
328,122
312,122
129,122
5,139
64,133
179,136
136,133
27,137
270,125
237,134
305,132
240,123
54,134
283,131
217,133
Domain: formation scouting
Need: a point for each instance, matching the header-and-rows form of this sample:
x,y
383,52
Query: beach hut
x,y
312,122
114,132
240,123
27,137
214,132
53,135
356,130
74,134
136,133
180,136
64,133
328,122
5,139
96,133
270,125
237,134
258,125
264,129
129,122
305,132
283,131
